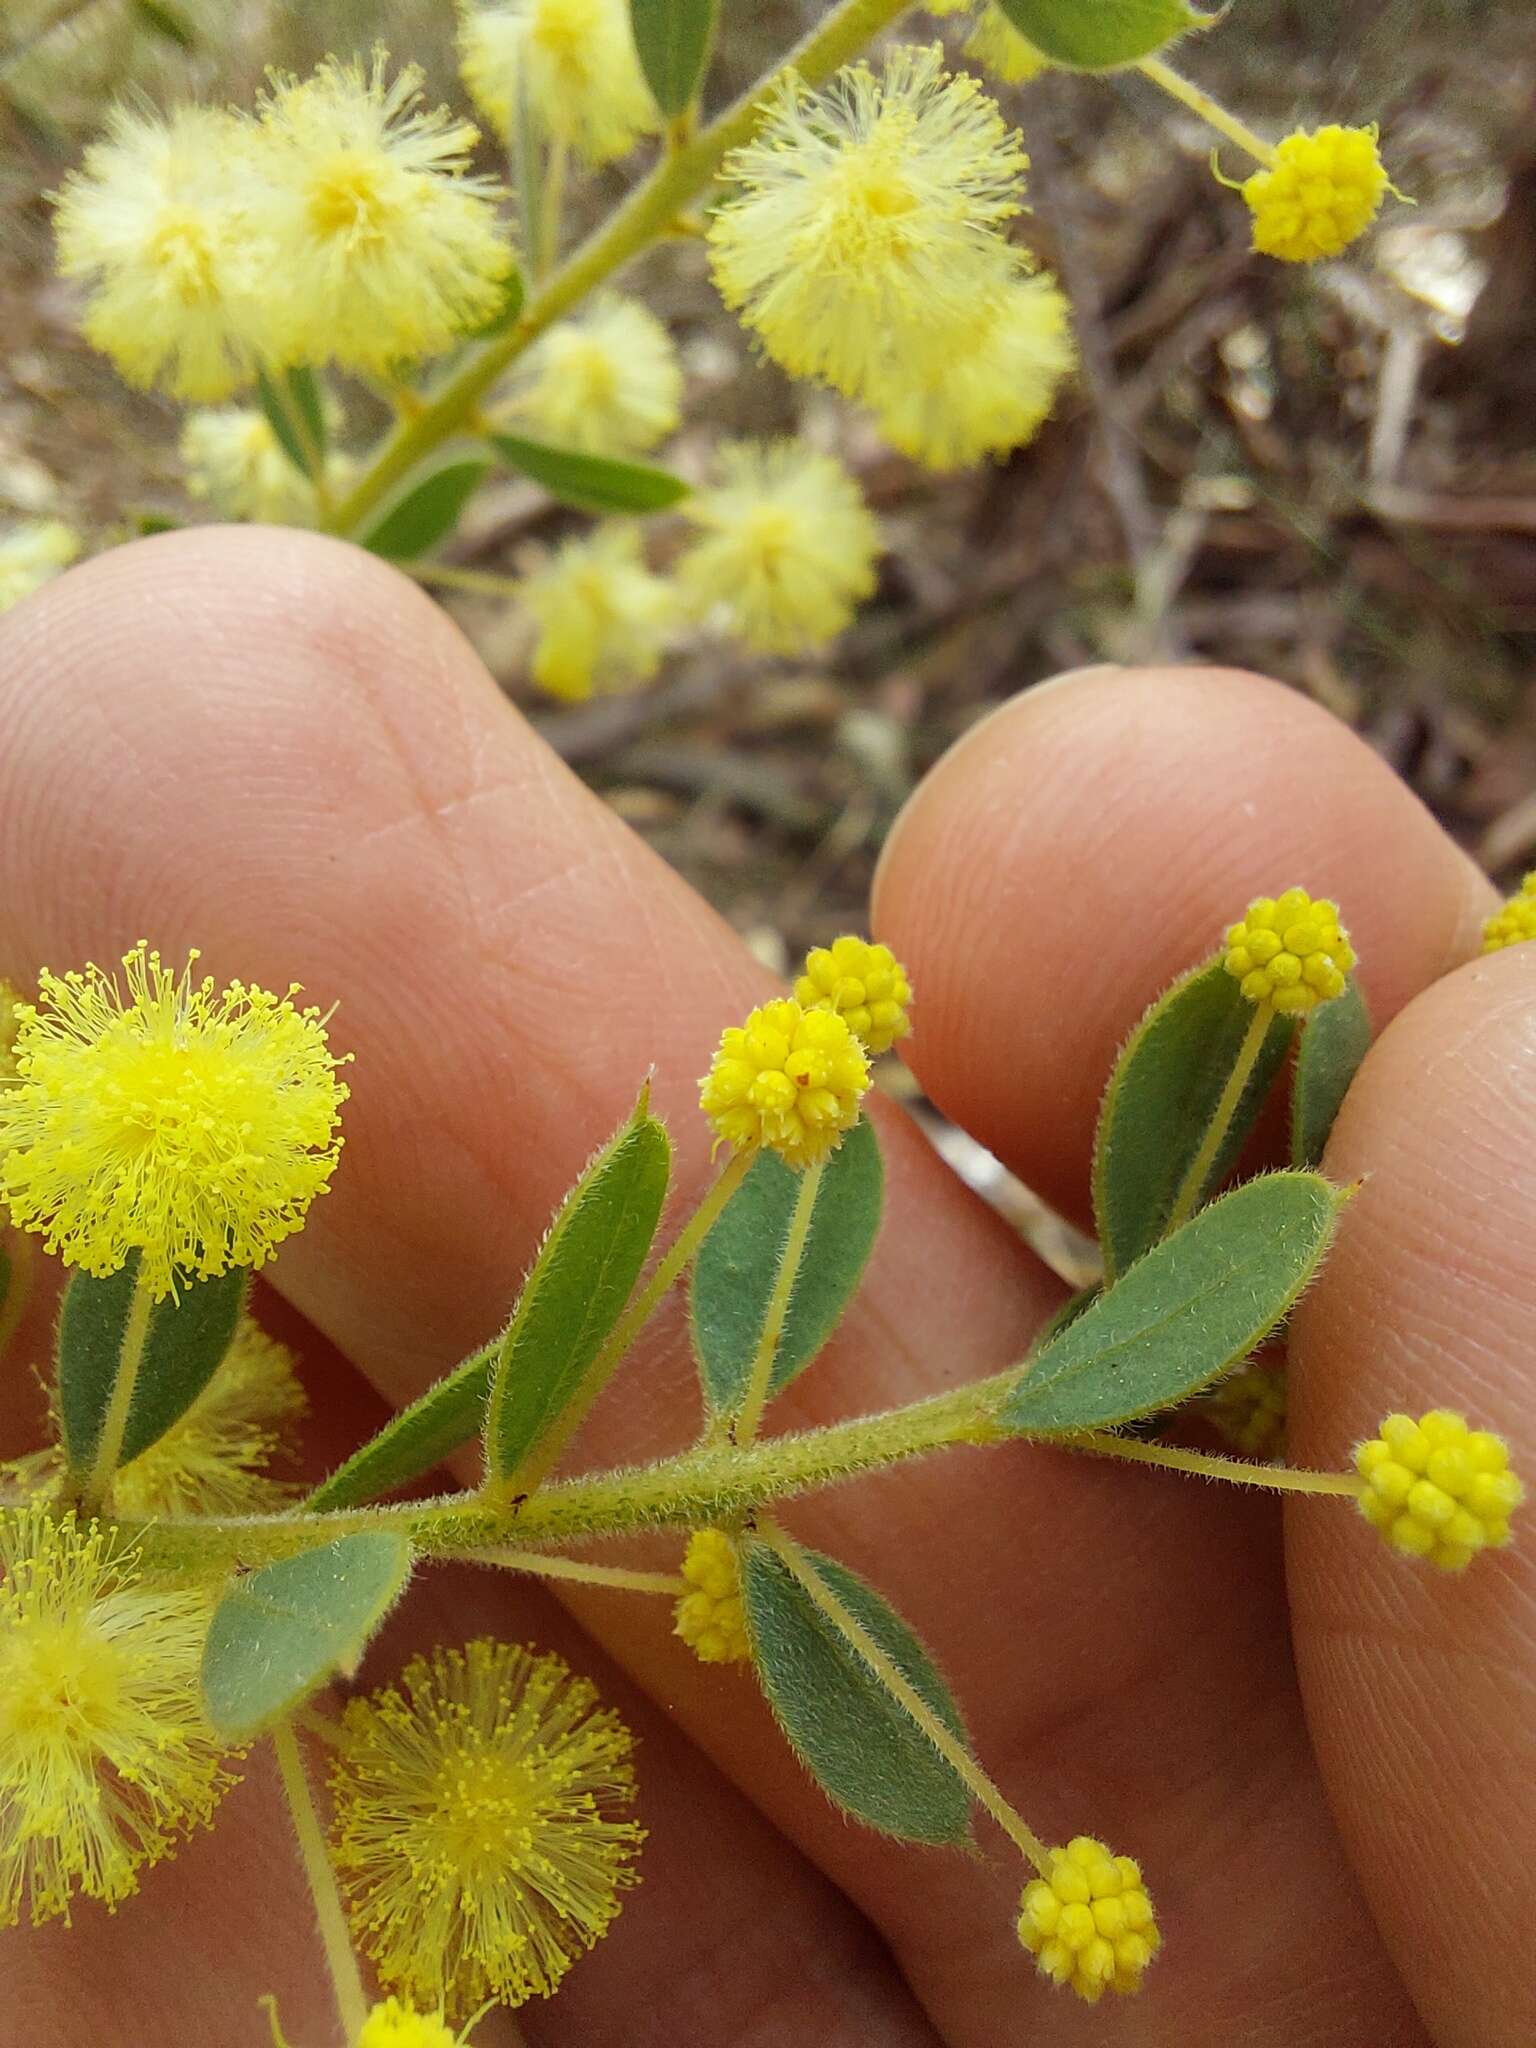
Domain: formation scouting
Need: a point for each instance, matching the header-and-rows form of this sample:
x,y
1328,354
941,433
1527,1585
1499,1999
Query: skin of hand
x,y
275,748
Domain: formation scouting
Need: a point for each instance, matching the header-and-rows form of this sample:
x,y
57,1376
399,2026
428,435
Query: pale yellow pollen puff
x,y
1513,922
602,619
786,549
395,2025
709,1616
1437,1489
867,986
235,461
1290,951
574,59
1090,1923
866,225
607,381
790,1079
31,555
1002,49
995,390
1322,190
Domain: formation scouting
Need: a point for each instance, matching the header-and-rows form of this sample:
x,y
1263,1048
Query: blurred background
x,y
1326,474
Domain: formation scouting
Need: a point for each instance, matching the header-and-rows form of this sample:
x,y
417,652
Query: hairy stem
x,y
543,1566
1208,1465
1221,1119
114,1424
1212,112
638,221
750,1414
346,1978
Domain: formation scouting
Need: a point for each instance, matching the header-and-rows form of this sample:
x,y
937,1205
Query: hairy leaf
x,y
1101,35
1334,1040
451,1412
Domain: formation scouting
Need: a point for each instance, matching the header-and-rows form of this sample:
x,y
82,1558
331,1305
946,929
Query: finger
x,y
375,820
1092,839
1418,1685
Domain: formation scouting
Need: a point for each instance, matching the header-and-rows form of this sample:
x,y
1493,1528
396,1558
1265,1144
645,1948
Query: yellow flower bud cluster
x,y
394,2025
1320,191
709,1616
1248,1409
867,986
1437,1489
1513,922
1090,1924
1290,951
790,1079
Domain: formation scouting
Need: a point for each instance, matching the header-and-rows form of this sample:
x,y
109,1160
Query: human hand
x,y
274,748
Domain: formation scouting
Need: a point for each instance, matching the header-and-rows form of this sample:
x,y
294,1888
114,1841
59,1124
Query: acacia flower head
x,y
216,1458
575,60
789,1078
191,1127
606,380
1437,1489
786,549
393,2025
867,986
387,248
1002,49
866,226
1090,1924
31,555
1515,921
156,224
235,461
1290,951
709,1616
478,1829
105,1760
1248,1409
603,619
1321,191
995,390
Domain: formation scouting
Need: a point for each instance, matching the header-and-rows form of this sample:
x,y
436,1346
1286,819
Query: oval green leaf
x,y
292,403
1334,1040
672,41
860,1744
585,1272
738,1264
1160,1101
593,483
1101,35
1195,1305
427,513
278,1634
183,1349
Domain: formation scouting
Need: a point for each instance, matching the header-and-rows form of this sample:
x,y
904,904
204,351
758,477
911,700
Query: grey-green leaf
x,y
278,1634
1160,1101
1196,1304
860,1744
738,1264
448,1414
584,1274
183,1348
672,40
594,483
1334,1040
427,513
1101,35
292,403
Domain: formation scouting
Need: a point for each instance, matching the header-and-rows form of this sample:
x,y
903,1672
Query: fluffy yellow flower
x,y
867,985
787,547
190,1127
214,1459
997,44
105,1760
1513,922
385,247
393,2025
1290,950
31,554
476,1828
1436,1489
156,222
1321,191
867,228
607,380
1090,1923
996,388
1248,1410
603,619
709,1616
789,1078
235,461
576,61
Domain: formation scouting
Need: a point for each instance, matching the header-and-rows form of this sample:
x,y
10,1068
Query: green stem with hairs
x,y
346,1978
1207,1465
1212,112
638,221
1221,1119
749,1415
